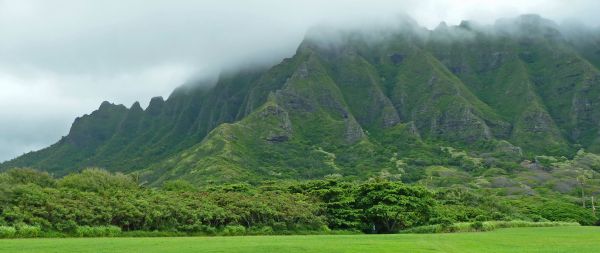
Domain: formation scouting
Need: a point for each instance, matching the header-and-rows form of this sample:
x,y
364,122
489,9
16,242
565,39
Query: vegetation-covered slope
x,y
361,104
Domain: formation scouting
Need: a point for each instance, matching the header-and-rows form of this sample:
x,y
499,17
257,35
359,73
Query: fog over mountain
x,y
60,59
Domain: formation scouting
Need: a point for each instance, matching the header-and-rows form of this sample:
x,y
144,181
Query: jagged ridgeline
x,y
359,103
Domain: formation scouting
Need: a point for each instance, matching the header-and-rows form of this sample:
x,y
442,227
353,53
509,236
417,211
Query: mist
x,y
60,59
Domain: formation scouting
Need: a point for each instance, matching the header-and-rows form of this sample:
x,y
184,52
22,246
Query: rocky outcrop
x,y
460,124
281,130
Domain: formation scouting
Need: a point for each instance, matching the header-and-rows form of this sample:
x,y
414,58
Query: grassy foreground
x,y
549,239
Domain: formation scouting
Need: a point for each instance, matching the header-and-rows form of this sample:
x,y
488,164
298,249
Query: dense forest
x,y
95,202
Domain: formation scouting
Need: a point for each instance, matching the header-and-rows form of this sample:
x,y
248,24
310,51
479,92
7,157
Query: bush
x,y
97,180
481,218
518,224
85,231
484,226
561,211
30,176
99,231
234,230
179,185
7,232
478,225
444,222
112,231
279,226
428,229
142,233
264,230
67,226
28,231
460,227
208,230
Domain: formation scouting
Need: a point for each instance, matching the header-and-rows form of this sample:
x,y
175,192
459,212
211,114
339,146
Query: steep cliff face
x,y
356,107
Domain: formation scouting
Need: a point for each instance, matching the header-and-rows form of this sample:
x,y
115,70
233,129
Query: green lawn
x,y
552,239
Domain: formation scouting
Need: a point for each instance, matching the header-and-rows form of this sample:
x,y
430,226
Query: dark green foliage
x,y
338,199
97,180
234,230
98,231
483,226
389,206
178,185
373,207
28,231
112,203
7,232
477,225
555,210
104,200
29,176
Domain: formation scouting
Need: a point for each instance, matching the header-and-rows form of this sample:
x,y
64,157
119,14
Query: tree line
x,y
94,198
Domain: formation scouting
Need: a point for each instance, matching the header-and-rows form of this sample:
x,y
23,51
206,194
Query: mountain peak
x,y
136,106
155,106
105,105
441,26
529,26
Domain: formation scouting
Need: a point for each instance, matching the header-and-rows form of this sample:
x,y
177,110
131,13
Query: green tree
x,y
390,206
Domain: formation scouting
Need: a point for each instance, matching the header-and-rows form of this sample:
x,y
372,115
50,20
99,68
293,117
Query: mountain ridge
x,y
357,107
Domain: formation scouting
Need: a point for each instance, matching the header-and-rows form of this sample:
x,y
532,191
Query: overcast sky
x,y
60,59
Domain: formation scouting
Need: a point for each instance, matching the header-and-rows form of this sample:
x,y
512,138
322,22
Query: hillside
x,y
454,102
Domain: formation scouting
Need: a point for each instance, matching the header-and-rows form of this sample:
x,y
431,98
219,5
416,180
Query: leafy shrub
x,y
141,233
85,231
428,229
518,223
209,230
445,222
478,225
234,230
68,226
30,176
481,218
484,226
97,180
73,205
538,218
461,227
7,232
28,231
99,231
54,234
279,226
263,230
391,206
562,211
112,231
178,185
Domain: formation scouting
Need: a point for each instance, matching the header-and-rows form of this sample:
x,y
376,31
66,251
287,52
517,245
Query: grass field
x,y
551,239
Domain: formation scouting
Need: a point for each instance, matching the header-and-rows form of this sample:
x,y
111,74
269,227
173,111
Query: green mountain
x,y
394,102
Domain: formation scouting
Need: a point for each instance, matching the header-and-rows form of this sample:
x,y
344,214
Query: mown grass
x,y
547,239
